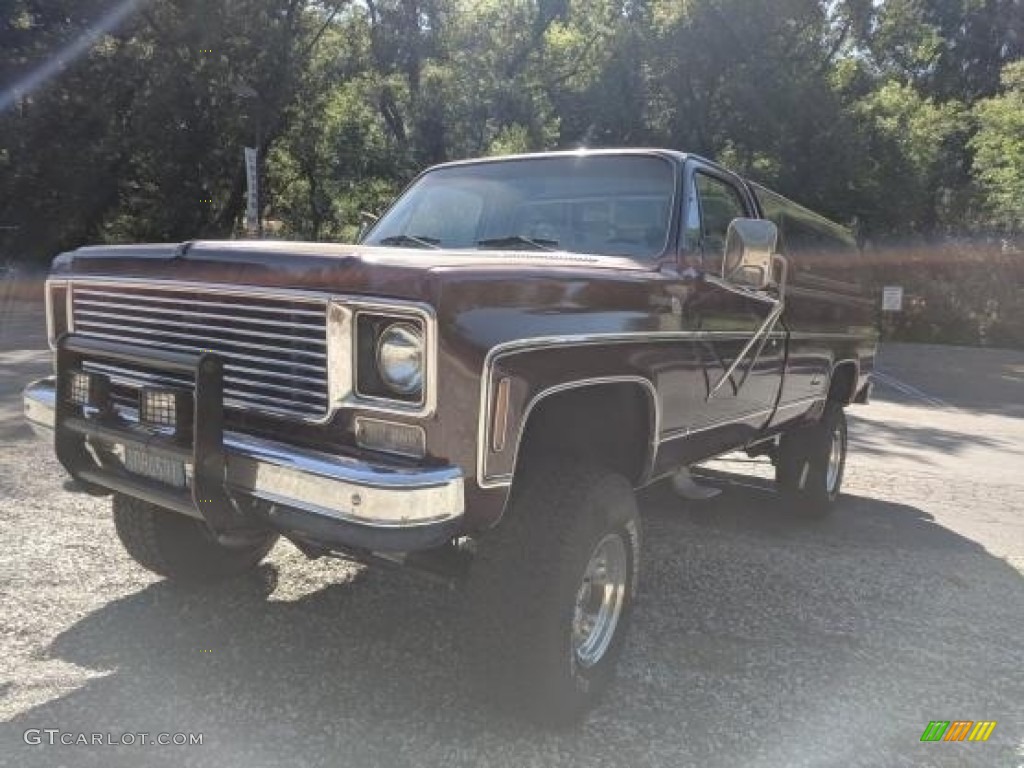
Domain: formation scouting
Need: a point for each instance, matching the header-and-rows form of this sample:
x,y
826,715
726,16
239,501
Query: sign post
x,y
252,205
892,298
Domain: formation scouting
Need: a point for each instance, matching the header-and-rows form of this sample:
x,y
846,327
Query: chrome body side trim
x,y
871,338
760,335
517,346
348,490
807,403
523,345
501,481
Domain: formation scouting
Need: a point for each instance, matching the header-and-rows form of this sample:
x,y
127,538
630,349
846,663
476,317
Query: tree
x,y
141,138
999,152
911,148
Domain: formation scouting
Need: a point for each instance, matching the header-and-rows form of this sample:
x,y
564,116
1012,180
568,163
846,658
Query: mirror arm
x,y
759,339
783,262
366,220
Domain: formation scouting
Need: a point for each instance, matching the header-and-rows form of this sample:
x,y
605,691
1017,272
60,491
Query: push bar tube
x,y
75,431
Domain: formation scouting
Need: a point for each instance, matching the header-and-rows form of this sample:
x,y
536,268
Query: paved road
x,y
759,641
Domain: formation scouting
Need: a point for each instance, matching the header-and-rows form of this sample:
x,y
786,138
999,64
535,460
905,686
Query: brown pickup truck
x,y
475,390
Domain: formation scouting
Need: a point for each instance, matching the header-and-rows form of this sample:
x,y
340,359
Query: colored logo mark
x,y
958,730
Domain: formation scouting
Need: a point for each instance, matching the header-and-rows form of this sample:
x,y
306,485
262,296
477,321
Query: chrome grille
x,y
274,346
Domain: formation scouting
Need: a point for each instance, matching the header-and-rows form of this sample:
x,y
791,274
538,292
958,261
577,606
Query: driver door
x,y
737,402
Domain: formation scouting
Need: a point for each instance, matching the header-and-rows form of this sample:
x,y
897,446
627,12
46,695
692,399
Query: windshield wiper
x,y
420,241
511,241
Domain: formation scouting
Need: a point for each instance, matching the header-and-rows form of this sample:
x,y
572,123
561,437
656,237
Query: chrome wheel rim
x,y
835,461
599,600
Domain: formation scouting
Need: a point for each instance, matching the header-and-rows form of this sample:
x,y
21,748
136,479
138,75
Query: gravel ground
x,y
758,641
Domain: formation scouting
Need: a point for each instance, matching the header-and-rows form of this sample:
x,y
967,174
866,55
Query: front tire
x,y
552,590
811,463
182,548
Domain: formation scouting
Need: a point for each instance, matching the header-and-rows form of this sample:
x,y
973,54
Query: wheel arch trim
x,y
837,367
653,426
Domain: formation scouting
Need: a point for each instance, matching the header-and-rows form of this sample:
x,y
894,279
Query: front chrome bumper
x,y
327,499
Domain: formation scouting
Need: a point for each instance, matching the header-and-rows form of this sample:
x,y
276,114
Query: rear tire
x,y
811,462
182,548
551,591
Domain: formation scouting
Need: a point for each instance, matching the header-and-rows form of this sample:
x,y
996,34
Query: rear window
x,y
802,231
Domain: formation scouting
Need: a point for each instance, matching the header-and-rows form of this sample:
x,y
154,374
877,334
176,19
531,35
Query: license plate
x,y
158,468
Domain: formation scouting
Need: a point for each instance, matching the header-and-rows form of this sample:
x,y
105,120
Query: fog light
x,y
90,389
166,408
389,437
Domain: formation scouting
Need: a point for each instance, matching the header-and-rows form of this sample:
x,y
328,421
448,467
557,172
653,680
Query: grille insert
x,y
274,347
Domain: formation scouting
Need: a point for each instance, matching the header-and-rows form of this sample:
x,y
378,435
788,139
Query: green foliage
x,y
141,139
958,290
911,147
889,114
511,140
999,151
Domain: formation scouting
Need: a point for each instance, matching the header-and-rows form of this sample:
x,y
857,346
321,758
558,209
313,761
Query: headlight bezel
x,y
367,392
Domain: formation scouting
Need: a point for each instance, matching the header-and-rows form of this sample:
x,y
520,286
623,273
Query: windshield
x,y
611,205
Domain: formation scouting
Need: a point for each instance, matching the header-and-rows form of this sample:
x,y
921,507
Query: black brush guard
x,y
207,499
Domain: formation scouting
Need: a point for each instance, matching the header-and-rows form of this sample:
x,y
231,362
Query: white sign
x,y
253,195
892,298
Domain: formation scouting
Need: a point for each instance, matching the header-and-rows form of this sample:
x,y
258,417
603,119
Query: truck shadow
x,y
976,379
878,619
921,442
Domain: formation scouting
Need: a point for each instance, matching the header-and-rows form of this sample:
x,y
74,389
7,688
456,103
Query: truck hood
x,y
351,269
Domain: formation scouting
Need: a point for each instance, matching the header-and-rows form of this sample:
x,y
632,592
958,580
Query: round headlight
x,y
400,358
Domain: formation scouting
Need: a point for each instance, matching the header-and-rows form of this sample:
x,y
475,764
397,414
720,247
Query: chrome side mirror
x,y
750,249
366,220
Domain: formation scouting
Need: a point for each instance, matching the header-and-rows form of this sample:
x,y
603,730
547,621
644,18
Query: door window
x,y
720,203
691,226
